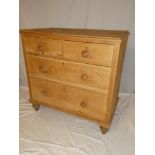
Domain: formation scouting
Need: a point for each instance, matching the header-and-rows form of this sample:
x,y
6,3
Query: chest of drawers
x,y
75,70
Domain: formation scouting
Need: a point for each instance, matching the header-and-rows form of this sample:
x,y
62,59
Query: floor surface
x,y
52,132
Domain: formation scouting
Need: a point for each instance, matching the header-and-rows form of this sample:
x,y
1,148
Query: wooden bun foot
x,y
103,130
36,107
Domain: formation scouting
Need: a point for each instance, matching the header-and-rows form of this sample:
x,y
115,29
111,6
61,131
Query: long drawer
x,y
85,75
92,53
80,101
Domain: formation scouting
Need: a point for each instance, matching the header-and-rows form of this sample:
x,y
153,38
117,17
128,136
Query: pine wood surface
x,y
75,70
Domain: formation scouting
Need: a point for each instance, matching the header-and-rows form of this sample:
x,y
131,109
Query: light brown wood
x,y
100,54
71,72
115,78
69,98
75,70
45,46
79,32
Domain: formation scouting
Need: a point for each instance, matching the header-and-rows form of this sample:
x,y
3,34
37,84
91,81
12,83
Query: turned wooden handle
x,y
85,53
44,92
43,69
40,48
84,77
83,104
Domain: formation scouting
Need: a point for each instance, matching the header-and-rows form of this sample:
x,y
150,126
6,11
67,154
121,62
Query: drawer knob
x,y
44,92
83,104
84,77
85,53
40,48
43,69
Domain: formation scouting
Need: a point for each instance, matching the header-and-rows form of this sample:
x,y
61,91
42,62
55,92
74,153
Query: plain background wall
x,y
96,14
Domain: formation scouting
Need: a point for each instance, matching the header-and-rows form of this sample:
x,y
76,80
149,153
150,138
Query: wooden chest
x,y
75,70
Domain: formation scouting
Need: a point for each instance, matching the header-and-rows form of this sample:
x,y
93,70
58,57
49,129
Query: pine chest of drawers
x,y
75,70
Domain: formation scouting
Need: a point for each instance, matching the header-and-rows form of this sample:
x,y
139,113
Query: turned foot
x,y
36,107
104,130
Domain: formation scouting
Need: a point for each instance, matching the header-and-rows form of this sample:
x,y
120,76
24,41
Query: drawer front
x,y
93,53
86,103
76,73
43,46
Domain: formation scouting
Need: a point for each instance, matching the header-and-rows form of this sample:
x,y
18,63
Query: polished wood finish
x,y
43,46
75,70
62,96
116,34
92,76
92,53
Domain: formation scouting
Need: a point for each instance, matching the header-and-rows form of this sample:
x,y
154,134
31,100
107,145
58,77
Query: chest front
x,y
78,74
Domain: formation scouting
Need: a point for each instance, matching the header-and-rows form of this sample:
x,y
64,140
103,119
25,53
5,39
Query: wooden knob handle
x,y
84,77
43,69
44,92
83,104
40,48
85,53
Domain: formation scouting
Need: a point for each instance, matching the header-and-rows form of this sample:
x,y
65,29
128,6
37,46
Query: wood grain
x,y
71,72
43,46
79,32
75,70
92,53
70,98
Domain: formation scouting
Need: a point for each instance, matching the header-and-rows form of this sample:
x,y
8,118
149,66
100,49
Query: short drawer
x,y
85,75
83,102
92,53
43,46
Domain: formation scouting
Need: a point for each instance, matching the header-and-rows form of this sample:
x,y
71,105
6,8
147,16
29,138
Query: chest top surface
x,y
117,34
